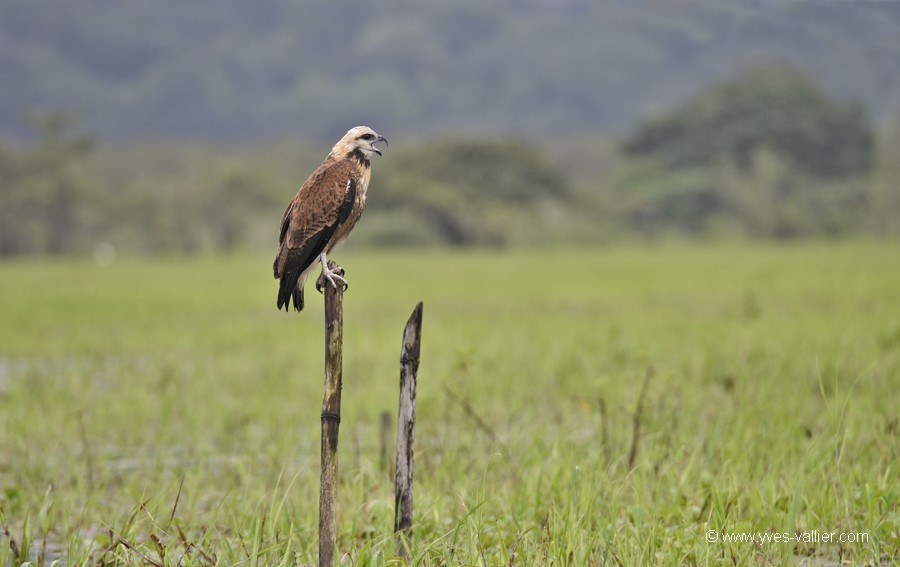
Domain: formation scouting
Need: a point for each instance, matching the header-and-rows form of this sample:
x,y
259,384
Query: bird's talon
x,y
332,274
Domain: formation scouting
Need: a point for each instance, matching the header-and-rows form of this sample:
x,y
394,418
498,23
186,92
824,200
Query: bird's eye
x,y
367,136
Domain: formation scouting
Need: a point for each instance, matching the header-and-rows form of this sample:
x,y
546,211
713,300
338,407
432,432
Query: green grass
x,y
167,405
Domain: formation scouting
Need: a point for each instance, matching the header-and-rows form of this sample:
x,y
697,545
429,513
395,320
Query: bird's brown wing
x,y
308,223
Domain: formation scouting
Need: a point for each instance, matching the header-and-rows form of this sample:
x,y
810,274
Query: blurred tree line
x,y
767,154
251,71
764,154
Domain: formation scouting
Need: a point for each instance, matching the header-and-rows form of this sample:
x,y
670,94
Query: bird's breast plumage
x,y
360,181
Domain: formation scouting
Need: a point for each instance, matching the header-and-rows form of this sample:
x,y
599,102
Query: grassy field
x,y
163,412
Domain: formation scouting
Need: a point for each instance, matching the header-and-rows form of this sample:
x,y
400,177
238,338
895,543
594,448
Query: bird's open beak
x,y
379,139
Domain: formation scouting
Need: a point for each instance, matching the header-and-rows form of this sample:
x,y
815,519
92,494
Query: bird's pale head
x,y
359,141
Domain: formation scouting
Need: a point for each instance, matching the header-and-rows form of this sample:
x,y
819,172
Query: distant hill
x,y
244,71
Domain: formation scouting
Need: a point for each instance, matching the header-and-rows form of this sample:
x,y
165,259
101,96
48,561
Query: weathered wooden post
x,y
406,422
331,419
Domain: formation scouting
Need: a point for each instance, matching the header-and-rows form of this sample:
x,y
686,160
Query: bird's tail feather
x,y
291,286
298,298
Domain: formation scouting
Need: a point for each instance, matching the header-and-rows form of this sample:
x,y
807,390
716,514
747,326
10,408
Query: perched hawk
x,y
323,213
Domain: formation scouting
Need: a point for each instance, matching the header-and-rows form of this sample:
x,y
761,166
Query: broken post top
x,y
409,350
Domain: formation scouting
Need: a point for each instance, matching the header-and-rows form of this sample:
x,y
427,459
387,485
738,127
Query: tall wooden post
x,y
406,422
331,420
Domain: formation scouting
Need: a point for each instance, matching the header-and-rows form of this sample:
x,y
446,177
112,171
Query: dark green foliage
x,y
63,195
484,171
43,202
467,191
60,195
765,154
771,107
